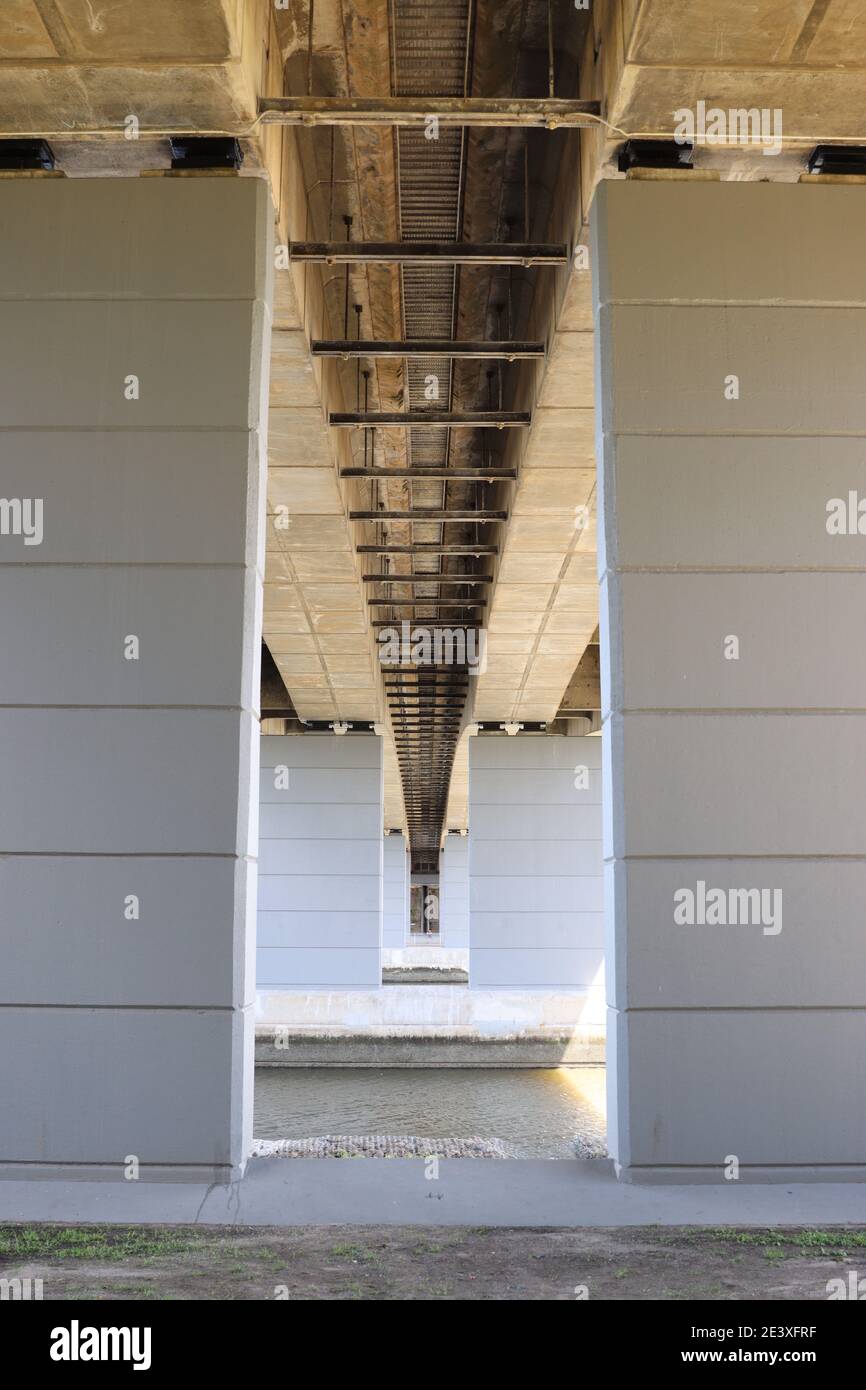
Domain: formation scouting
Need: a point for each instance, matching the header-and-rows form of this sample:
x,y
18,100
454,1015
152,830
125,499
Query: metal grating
x,y
430,55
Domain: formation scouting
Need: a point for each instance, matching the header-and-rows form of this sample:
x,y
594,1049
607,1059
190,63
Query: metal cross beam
x,y
426,603
524,253
429,514
438,624
425,711
452,419
407,707
424,347
412,722
548,113
414,580
427,548
455,474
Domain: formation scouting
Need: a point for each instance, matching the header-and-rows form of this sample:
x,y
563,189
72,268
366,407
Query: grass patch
x,y
782,1245
106,1243
355,1252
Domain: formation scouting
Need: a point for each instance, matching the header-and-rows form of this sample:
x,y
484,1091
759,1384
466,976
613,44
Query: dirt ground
x,y
424,1263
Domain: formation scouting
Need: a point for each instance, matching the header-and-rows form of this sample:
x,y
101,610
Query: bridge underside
x,y
455,394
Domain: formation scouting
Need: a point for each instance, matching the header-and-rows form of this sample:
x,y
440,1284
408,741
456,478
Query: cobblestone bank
x,y
401,1146
381,1146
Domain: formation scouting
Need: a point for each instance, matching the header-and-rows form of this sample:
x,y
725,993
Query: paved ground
x,y
425,1263
401,1192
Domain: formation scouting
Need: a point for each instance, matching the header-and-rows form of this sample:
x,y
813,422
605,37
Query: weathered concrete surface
x,y
414,1008
428,1025
807,60
74,66
421,975
459,1047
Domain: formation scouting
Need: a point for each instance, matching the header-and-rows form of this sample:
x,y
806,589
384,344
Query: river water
x,y
541,1112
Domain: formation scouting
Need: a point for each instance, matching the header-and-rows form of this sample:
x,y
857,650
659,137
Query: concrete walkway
x,y
468,1192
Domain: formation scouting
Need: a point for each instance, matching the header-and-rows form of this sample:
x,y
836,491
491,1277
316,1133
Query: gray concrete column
x,y
535,866
454,893
320,862
732,328
395,904
131,541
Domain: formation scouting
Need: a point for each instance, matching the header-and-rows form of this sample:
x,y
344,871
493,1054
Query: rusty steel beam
x,y
450,419
415,579
426,347
407,706
427,710
451,474
522,253
434,626
429,514
435,697
427,548
426,603
543,113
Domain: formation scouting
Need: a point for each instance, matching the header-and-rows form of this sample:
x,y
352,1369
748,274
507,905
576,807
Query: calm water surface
x,y
540,1112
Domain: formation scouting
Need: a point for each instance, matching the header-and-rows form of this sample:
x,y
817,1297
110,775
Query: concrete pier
x,y
320,873
131,381
535,867
734,697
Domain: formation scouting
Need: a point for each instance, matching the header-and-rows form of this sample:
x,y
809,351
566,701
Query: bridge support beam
x,y
454,893
535,869
732,416
131,550
320,867
395,916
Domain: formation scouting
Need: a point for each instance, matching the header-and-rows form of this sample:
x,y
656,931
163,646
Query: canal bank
x,y
429,1025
